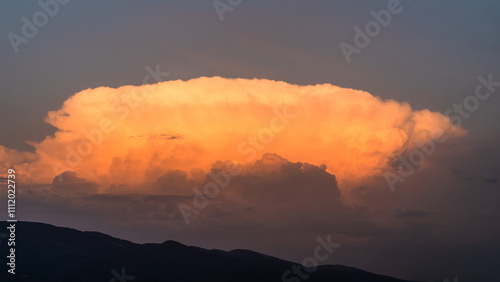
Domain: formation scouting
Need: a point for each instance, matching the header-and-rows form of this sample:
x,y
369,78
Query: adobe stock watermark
x,y
372,29
454,280
321,253
221,179
416,157
94,137
225,6
121,277
30,28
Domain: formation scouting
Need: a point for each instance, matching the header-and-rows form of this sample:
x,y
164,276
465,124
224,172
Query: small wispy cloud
x,y
159,136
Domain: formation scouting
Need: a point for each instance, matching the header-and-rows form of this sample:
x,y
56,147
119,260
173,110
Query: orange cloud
x,y
13,159
134,134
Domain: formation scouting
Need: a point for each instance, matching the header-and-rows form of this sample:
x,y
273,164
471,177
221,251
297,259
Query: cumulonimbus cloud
x,y
134,134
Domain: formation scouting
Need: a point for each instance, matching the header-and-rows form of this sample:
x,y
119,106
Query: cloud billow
x,y
134,134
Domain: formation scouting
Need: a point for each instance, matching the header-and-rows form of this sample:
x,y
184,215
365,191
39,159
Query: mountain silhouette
x,y
48,253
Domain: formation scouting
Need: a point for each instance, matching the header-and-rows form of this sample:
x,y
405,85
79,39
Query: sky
x,y
251,128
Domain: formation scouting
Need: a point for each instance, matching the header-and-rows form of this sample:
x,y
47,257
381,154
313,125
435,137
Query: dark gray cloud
x,y
491,180
290,204
69,184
